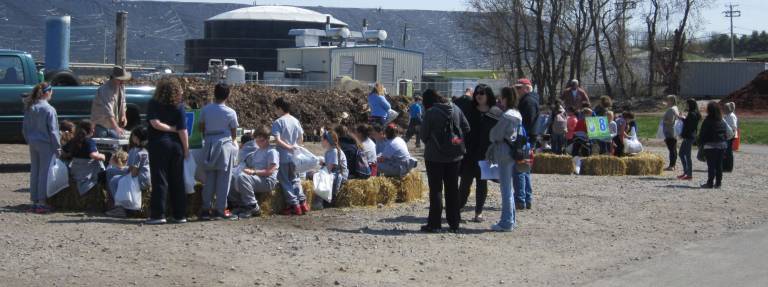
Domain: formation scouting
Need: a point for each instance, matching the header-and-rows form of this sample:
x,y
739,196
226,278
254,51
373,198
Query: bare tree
x,y
651,20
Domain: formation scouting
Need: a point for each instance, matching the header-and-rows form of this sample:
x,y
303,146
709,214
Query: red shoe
x,y
682,176
298,210
287,210
292,210
687,177
304,207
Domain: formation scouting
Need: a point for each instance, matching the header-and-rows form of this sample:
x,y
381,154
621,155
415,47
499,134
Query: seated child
x,y
87,161
258,175
394,160
362,133
137,166
67,131
353,151
581,144
116,168
334,160
613,128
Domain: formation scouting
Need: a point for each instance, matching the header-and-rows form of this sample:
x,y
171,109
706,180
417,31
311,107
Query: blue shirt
x,y
41,125
379,105
174,116
85,150
415,111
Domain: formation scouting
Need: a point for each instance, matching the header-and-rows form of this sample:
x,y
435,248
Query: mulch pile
x,y
752,97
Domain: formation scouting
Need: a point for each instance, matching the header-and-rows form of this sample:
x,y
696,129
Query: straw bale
x,y
410,187
356,192
603,165
69,199
272,203
644,164
548,163
385,190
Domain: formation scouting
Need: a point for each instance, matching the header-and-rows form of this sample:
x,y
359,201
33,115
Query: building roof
x,y
276,13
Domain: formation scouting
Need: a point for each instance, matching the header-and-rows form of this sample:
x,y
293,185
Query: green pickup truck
x,y
18,75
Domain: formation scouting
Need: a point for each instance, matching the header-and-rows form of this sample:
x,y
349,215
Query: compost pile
x,y
754,96
314,108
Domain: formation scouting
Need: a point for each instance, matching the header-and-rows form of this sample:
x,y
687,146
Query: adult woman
x,y
443,130
690,125
482,116
41,131
668,128
502,135
379,105
733,122
713,139
168,146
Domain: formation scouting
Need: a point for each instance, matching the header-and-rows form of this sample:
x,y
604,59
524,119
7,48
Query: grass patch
x,y
754,130
474,74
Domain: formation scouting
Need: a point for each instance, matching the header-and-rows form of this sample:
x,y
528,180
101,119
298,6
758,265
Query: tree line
x,y
744,45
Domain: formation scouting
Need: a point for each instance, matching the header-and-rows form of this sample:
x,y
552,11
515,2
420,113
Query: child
x,y
362,132
67,130
581,144
571,122
41,132
116,169
258,175
377,134
353,151
559,131
288,134
334,160
138,166
87,161
613,129
394,160
415,111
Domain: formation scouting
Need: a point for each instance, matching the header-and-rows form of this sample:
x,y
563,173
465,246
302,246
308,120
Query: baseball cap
x,y
523,82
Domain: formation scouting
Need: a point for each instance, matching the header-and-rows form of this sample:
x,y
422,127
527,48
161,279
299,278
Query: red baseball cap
x,y
523,82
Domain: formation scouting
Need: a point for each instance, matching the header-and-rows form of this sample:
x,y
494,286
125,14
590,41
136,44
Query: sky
x,y
752,11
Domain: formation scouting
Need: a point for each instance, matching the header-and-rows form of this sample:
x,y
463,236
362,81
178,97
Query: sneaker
x,y
226,215
179,221
519,205
118,212
527,205
304,207
32,208
288,210
670,168
204,215
157,221
706,186
248,212
687,177
498,228
429,229
43,209
478,218
682,176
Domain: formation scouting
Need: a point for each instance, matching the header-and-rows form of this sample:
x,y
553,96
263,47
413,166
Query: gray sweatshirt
x,y
503,133
434,121
41,125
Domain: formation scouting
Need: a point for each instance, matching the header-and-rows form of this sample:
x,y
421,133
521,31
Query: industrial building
x,y
699,79
252,36
368,64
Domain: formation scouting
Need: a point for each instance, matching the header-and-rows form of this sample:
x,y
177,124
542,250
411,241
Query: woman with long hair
x,y
713,138
379,105
690,125
668,128
502,136
482,115
168,146
41,132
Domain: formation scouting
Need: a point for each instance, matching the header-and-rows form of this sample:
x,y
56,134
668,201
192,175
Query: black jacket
x,y
465,104
691,125
478,140
712,131
434,122
529,109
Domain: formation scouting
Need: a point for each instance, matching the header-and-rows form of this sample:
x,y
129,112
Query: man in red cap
x,y
529,110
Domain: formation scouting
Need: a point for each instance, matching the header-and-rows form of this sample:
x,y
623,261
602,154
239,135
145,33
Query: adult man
x,y
574,96
464,102
108,107
529,110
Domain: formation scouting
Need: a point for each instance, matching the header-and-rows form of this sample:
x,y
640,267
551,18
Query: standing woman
x,y
443,130
482,116
690,125
713,138
502,135
219,125
41,131
168,146
668,127
379,105
733,122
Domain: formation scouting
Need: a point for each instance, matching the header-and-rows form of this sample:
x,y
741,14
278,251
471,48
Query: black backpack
x,y
521,148
356,161
449,140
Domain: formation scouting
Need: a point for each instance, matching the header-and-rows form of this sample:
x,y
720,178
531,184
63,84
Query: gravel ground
x,y
581,229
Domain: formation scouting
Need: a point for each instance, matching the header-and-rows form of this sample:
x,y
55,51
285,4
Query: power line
x,y
730,13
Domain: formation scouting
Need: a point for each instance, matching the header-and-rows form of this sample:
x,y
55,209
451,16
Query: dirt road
x,y
581,229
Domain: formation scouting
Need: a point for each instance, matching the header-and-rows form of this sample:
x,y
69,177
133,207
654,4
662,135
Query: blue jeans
x,y
522,183
685,156
558,143
102,132
507,219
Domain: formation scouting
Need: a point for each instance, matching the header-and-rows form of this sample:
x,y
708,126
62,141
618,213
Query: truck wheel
x,y
62,78
134,117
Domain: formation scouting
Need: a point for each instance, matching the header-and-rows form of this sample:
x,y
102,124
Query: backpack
x,y
357,163
520,148
449,140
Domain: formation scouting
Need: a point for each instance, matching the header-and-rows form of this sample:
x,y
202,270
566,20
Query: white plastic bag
x,y
577,164
632,145
304,160
678,128
190,167
323,184
660,131
128,194
488,171
58,177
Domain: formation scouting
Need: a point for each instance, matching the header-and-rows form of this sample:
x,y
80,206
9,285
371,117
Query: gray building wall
x,y
716,79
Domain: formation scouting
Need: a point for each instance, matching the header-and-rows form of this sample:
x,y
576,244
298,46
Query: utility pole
x,y
730,13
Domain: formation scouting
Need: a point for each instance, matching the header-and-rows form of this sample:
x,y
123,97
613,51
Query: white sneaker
x,y
498,228
155,221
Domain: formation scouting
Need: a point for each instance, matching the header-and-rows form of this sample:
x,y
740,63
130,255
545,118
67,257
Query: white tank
x,y
235,75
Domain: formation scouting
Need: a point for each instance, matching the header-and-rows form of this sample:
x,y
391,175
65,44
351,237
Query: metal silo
x,y
57,29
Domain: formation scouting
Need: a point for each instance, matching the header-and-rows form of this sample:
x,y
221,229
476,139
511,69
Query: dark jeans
x,y
166,165
619,151
672,148
413,129
471,171
728,161
714,166
443,175
558,143
685,156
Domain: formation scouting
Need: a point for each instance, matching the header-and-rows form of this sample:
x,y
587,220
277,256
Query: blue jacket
x,y
415,111
379,105
41,125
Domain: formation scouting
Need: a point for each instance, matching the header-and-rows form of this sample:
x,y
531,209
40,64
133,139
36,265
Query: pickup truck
x,y
18,75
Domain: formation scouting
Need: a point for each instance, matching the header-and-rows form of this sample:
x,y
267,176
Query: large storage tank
x,y
252,36
57,30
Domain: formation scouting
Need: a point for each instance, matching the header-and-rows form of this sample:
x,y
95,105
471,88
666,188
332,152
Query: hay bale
x,y
410,187
548,163
384,190
69,199
603,165
274,202
356,192
644,164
